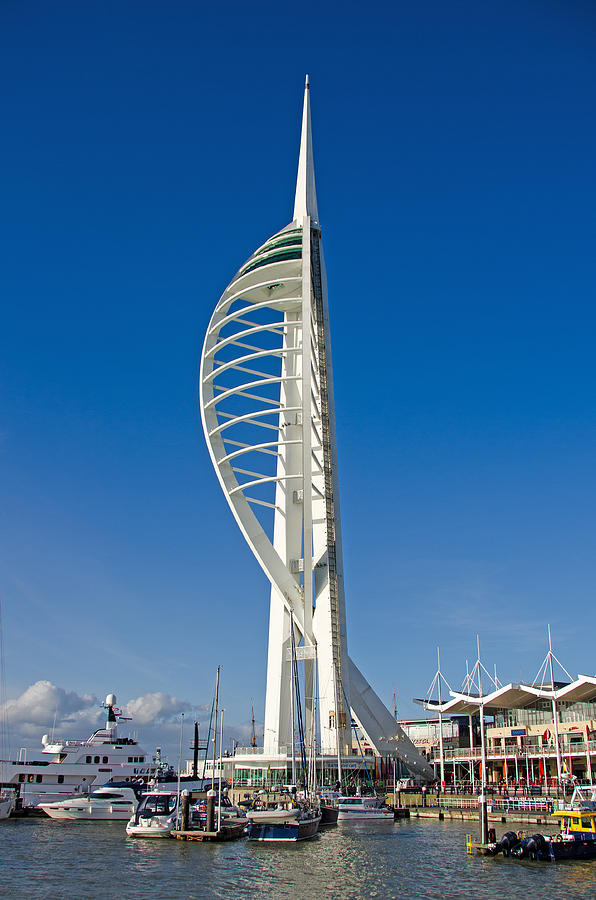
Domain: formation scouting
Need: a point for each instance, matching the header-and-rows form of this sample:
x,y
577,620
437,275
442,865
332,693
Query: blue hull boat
x,y
282,825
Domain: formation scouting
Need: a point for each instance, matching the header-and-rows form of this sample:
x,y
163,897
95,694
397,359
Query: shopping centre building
x,y
534,734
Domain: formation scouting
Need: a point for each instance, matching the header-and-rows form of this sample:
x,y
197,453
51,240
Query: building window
x,y
21,778
104,759
38,778
96,759
88,758
60,779
141,759
130,758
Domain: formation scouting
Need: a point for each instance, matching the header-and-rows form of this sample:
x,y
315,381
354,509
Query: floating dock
x,y
231,831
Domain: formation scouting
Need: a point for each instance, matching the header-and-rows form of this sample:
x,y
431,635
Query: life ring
x,y
559,838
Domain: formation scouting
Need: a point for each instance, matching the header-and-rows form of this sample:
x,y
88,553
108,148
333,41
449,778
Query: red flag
x,y
540,768
546,735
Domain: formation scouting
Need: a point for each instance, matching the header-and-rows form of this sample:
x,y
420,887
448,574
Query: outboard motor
x,y
530,847
507,842
536,844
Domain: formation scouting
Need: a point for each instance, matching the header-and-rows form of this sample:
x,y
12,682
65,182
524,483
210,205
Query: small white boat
x,y
369,808
155,816
113,801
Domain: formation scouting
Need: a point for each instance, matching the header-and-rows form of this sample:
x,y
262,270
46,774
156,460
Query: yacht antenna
x,y
252,711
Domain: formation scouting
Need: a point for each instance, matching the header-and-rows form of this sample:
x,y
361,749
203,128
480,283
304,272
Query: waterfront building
x,y
267,407
539,734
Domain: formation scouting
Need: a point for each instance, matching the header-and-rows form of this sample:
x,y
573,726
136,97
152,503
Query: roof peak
x,y
305,203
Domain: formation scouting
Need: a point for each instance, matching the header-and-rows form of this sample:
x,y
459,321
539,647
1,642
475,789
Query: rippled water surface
x,y
42,858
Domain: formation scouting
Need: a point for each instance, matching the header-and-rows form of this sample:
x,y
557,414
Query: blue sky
x,y
148,150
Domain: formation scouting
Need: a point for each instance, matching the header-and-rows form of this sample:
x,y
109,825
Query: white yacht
x,y
70,767
113,801
369,808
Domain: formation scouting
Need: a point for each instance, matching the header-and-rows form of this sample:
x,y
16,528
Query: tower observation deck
x,y
266,397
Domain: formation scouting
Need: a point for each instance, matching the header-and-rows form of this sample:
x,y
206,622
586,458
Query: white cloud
x,y
46,708
156,708
41,701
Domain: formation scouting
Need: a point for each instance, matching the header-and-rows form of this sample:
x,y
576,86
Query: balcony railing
x,y
577,748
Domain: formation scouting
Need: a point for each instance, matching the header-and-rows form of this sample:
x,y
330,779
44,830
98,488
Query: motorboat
x,y
329,813
115,800
155,816
369,808
283,823
575,839
69,767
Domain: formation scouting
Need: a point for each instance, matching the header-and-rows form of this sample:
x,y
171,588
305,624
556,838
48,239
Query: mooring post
x,y
483,818
185,816
210,824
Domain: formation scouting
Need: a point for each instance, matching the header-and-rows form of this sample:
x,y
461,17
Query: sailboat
x,y
298,819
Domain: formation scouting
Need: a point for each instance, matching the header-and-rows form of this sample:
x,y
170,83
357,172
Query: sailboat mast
x,y
252,712
215,728
337,735
195,752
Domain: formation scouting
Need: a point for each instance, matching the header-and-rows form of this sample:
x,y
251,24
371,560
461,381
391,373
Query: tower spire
x,y
305,203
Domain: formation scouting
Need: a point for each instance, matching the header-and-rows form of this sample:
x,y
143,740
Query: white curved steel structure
x,y
266,396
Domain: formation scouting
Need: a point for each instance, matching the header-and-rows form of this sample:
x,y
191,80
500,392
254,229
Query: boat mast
x,y
441,748
252,711
215,728
337,735
179,760
292,700
220,772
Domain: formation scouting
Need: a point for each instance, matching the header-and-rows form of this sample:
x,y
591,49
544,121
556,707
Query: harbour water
x,y
420,860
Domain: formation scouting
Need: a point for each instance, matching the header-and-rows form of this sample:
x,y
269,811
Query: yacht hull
x,y
283,831
6,805
375,815
149,831
88,813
